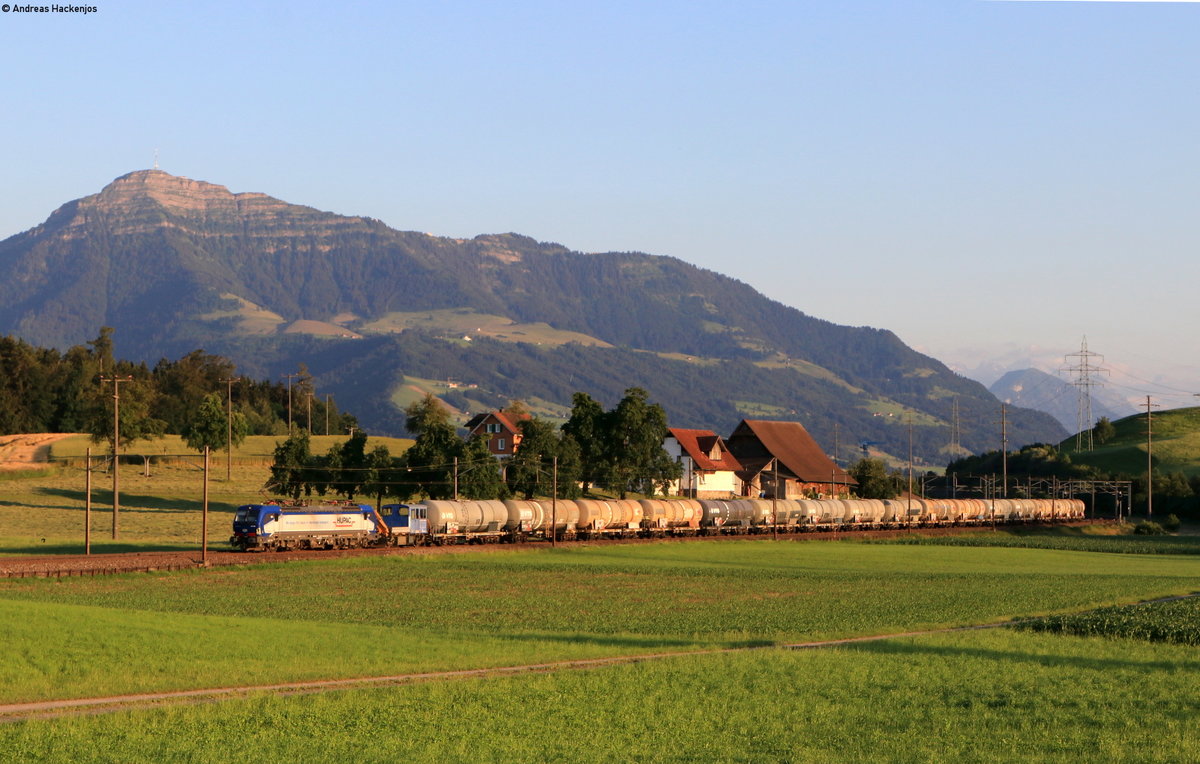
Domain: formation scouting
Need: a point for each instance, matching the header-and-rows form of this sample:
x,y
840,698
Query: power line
x,y
1084,369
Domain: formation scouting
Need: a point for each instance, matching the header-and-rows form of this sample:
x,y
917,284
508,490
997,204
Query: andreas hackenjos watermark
x,y
82,10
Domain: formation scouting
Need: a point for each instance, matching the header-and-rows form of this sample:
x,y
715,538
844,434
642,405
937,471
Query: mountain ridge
x,y
176,264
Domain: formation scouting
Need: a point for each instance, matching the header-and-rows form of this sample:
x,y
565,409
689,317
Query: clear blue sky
x,y
990,180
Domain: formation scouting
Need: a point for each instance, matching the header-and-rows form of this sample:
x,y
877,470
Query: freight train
x,y
342,525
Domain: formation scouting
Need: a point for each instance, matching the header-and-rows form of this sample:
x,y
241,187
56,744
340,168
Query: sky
x,y
993,181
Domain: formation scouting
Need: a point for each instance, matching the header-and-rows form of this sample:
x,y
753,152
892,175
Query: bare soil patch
x,y
22,452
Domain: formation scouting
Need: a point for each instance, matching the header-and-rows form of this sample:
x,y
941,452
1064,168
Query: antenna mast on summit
x,y
1083,370
156,159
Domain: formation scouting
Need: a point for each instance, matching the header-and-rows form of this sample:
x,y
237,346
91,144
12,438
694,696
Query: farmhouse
x,y
709,469
781,460
503,435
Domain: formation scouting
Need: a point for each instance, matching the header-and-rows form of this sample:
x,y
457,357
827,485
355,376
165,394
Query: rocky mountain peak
x,y
176,193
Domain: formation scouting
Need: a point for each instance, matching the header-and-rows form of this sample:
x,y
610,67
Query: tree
x,y
1104,430
569,467
211,425
586,428
348,465
635,459
529,469
428,463
874,482
290,469
136,396
379,475
479,471
516,411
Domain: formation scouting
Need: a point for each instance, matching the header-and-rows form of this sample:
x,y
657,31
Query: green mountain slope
x,y
1176,445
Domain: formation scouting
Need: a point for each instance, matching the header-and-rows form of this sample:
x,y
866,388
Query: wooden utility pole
x,y
774,502
204,515
116,501
1004,447
328,396
554,505
87,504
1149,458
290,377
910,465
229,428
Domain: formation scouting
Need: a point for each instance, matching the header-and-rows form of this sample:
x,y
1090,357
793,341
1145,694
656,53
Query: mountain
x,y
1038,390
381,316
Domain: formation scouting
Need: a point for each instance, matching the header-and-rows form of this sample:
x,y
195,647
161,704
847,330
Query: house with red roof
x,y
781,460
709,469
502,433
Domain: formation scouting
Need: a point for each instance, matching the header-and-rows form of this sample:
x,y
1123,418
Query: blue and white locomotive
x,y
323,526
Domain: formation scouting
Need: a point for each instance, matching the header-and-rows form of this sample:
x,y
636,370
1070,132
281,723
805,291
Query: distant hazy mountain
x,y
1057,397
381,315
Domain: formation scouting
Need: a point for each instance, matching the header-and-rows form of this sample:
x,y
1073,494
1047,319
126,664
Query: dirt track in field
x,y
22,452
53,709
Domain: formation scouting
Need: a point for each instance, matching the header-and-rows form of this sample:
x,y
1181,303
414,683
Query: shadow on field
x,y
97,549
698,558
893,647
611,640
133,502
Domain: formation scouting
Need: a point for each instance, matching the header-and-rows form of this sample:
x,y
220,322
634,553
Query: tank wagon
x,y
333,525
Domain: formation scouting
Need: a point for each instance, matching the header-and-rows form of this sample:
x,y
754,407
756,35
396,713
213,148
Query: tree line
x,y
620,450
44,390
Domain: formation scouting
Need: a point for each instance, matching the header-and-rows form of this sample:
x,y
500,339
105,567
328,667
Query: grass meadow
x,y
279,622
971,697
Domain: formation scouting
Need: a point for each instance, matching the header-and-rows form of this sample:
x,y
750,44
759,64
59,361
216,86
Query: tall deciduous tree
x,y
479,471
428,464
211,425
635,457
290,469
874,482
529,469
586,427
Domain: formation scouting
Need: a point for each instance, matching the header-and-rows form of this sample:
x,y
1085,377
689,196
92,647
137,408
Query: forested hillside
x,y
43,390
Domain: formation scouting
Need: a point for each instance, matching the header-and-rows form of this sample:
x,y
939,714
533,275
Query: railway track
x,y
69,566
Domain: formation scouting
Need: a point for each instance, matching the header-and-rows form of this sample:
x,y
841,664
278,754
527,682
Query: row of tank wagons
x,y
347,525
593,518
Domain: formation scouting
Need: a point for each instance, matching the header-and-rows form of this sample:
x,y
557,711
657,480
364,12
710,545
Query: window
x,y
493,428
500,444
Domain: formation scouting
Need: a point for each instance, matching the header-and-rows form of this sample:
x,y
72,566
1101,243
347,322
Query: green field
x,y
997,696
410,613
